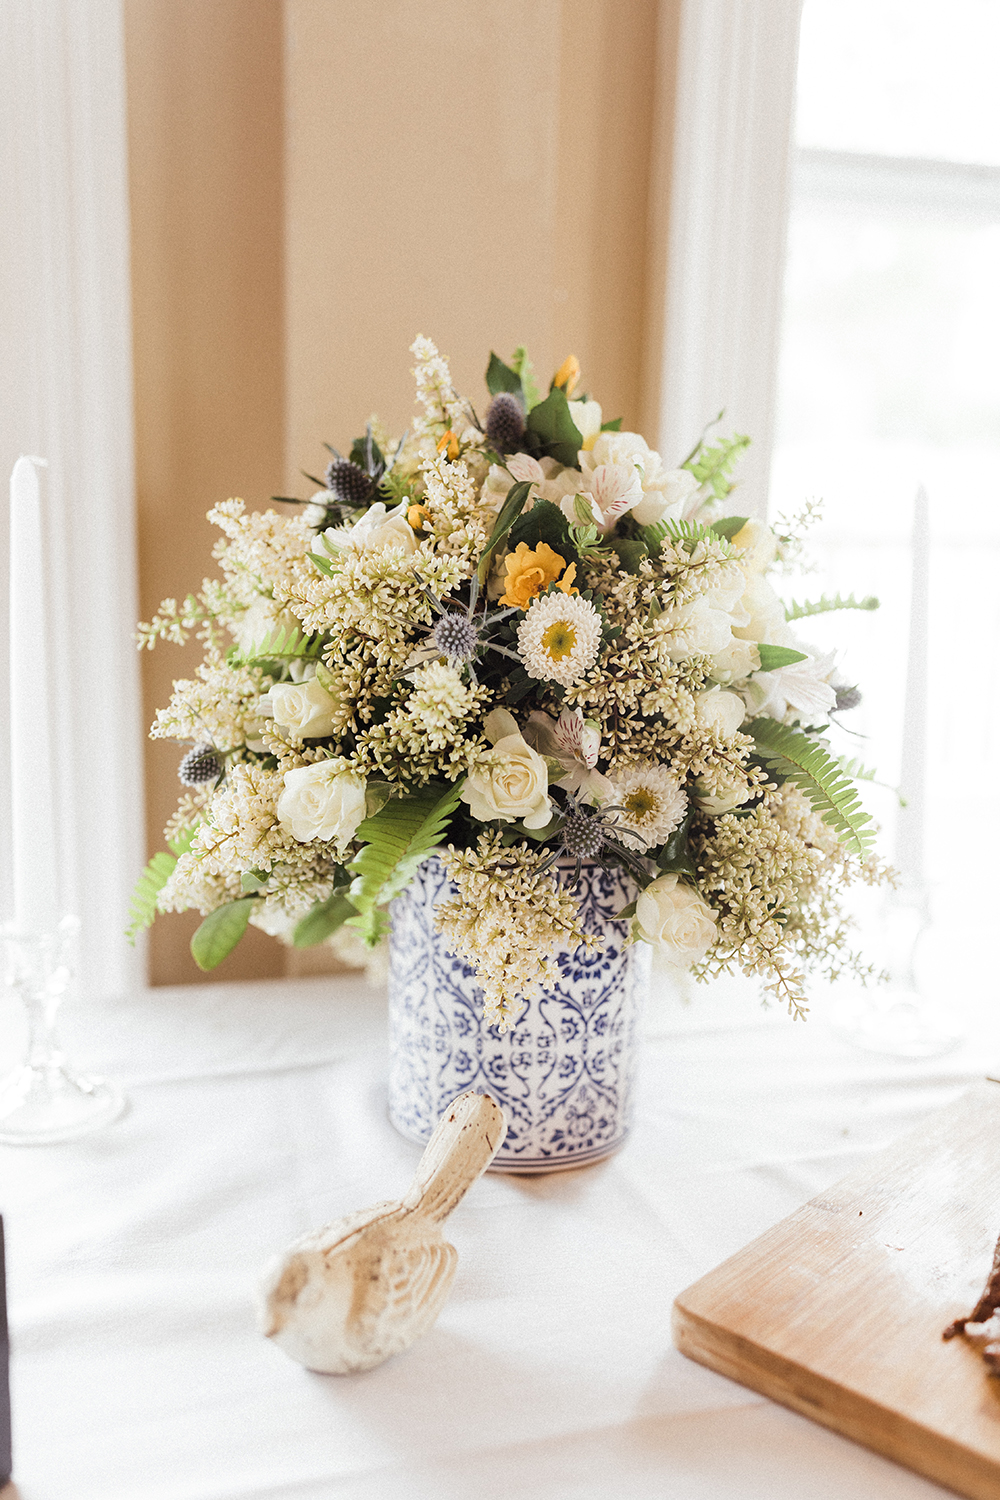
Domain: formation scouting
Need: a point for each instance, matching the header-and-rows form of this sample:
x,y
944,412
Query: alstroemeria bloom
x,y
574,742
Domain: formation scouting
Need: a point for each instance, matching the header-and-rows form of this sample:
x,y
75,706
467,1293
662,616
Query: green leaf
x,y
711,465
254,880
324,919
615,426
728,526
522,364
824,605
512,507
142,906
501,378
544,522
397,840
799,759
626,912
552,423
367,454
688,533
322,564
772,657
675,857
631,552
182,841
221,930
281,644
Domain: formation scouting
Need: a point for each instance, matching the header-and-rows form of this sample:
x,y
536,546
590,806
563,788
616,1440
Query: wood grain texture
x,y
838,1311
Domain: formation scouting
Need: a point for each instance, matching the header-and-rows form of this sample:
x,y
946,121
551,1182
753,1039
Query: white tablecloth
x,y
257,1112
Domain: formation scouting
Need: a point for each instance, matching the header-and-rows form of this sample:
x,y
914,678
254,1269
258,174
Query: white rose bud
x,y
721,802
757,544
321,803
512,784
306,708
674,918
719,711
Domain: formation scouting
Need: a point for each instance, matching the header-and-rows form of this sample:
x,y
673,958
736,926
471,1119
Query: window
x,y
889,382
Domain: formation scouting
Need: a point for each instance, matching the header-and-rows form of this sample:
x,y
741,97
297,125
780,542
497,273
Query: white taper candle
x,y
909,858
32,747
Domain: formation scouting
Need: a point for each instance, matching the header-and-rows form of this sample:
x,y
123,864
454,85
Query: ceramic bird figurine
x,y
348,1296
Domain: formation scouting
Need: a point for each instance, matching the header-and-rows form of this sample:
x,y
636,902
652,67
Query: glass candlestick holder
x,y
44,1100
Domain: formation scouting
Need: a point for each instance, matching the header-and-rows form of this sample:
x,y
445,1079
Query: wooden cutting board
x,y
838,1311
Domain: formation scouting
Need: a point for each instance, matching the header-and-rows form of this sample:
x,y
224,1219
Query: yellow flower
x,y
568,374
448,444
417,516
529,572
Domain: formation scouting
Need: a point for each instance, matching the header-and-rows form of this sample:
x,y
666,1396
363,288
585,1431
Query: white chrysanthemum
x,y
559,637
652,802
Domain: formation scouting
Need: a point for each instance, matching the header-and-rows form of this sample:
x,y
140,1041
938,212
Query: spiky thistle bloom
x,y
559,638
505,423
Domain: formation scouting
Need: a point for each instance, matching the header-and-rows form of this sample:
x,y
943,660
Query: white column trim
x,y
65,327
728,216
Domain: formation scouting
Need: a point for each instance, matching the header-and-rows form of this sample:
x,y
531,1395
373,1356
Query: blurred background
x,y
790,211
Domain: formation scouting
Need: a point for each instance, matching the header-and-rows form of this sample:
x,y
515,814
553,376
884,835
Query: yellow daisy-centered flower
x,y
559,638
568,374
529,571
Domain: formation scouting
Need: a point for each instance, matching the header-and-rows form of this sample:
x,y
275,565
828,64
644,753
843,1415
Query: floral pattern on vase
x,y
565,1072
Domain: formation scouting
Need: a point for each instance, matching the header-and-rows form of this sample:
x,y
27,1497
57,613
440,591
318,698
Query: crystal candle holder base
x,y
44,1100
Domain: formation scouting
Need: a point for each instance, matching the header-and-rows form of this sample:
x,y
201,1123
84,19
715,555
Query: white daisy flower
x,y
559,638
650,803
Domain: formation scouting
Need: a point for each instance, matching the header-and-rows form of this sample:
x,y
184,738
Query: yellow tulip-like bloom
x,y
448,444
417,516
568,374
530,571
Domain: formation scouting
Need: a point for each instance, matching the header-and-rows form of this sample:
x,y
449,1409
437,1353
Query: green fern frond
x,y
283,644
142,907
688,533
858,771
802,761
712,464
823,605
398,838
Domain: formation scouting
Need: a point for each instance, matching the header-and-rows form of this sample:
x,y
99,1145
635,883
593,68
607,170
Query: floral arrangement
x,y
523,643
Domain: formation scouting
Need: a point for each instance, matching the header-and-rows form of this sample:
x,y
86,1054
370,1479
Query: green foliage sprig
x,y
397,840
824,604
799,759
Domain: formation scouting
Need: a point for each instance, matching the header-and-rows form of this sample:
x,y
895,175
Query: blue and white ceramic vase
x,y
565,1072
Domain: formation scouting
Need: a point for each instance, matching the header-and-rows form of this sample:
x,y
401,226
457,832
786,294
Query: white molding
x,y
728,218
898,186
65,329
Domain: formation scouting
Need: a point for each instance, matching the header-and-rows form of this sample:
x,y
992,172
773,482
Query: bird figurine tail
x,y
467,1137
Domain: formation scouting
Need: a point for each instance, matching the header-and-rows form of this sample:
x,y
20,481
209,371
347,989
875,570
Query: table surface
x,y
258,1112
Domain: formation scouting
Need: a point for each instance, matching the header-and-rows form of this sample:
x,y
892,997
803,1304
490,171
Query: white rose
x,y
512,784
667,492
737,661
306,708
673,917
719,711
766,611
695,629
321,803
587,417
721,802
758,546
377,529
